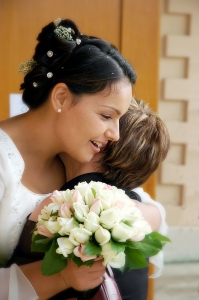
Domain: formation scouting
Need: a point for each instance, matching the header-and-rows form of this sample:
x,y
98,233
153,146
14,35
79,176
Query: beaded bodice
x,y
16,201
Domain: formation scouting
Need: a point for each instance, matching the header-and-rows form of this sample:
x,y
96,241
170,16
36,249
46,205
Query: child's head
x,y
143,145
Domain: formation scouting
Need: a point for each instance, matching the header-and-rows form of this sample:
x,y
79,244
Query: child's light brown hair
x,y
143,145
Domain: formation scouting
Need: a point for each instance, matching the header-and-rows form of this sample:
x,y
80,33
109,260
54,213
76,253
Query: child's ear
x,y
60,96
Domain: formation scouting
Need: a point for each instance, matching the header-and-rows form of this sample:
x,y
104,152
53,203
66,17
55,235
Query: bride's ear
x,y
60,96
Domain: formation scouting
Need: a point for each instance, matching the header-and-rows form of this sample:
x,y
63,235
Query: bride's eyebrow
x,y
117,111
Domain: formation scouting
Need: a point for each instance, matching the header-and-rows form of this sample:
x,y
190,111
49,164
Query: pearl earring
x,y
59,110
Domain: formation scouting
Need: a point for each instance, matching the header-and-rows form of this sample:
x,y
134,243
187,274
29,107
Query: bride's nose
x,y
113,132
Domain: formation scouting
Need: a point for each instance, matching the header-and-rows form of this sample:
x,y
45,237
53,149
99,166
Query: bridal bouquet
x,y
94,220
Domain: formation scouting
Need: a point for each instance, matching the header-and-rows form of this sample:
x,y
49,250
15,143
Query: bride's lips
x,y
98,145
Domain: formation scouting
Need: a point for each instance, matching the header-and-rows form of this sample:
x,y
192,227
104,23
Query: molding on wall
x,y
184,246
178,180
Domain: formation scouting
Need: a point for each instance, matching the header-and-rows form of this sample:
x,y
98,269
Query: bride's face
x,y
86,127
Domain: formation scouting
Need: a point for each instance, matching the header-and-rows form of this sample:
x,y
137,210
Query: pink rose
x,y
107,187
41,229
120,204
64,210
57,197
79,252
77,197
96,206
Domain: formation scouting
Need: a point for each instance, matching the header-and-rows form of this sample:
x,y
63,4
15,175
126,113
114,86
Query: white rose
x,y
43,217
141,228
96,185
119,195
79,236
131,213
89,197
91,223
122,232
104,192
106,196
46,213
111,258
110,217
52,208
67,224
52,225
67,195
102,236
81,211
118,261
65,246
86,192
81,187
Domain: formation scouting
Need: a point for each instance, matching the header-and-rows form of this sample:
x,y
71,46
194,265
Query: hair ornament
x,y
78,41
64,33
49,74
57,22
35,84
26,67
49,53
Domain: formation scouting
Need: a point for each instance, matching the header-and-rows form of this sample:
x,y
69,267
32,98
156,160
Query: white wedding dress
x,y
16,203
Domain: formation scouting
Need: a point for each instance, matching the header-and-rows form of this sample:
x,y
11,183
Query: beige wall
x,y
178,182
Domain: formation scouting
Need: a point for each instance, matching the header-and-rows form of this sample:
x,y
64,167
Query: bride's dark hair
x,y
85,64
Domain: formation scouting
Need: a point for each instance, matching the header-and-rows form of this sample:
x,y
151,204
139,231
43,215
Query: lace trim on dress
x,y
17,165
18,201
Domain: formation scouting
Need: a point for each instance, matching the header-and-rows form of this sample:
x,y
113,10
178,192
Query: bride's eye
x,y
106,117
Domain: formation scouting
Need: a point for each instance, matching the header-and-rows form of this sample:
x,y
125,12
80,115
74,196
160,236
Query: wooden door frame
x,y
136,23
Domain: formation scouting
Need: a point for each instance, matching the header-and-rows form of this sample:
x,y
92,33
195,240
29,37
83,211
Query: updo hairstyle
x,y
86,67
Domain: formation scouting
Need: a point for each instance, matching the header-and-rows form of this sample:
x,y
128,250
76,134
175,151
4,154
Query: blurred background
x,y
161,40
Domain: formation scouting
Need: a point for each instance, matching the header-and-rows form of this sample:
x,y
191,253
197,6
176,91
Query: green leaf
x,y
148,247
157,236
92,249
40,243
127,223
54,214
94,192
135,259
131,244
117,247
53,262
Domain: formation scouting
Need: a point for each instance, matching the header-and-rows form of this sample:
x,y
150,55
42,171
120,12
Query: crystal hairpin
x,y
49,53
49,74
35,84
78,41
57,22
26,67
64,33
